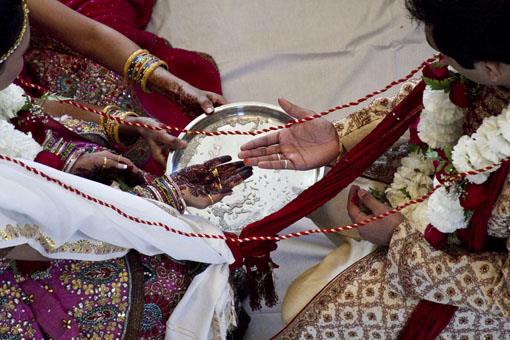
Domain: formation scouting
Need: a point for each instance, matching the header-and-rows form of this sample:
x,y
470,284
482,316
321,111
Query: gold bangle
x,y
148,72
122,115
110,130
130,60
210,198
215,172
133,63
106,110
105,160
140,67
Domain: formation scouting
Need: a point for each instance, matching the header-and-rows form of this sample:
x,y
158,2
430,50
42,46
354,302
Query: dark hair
x,y
11,23
467,30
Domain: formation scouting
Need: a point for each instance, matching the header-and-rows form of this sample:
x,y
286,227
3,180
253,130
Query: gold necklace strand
x,y
21,33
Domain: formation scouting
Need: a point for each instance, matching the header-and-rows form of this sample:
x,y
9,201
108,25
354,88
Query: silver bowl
x,y
263,193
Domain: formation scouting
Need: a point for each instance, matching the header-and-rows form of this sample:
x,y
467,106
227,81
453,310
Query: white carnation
x,y
439,106
462,161
411,180
396,197
493,135
476,156
419,163
12,100
503,121
444,210
460,158
499,144
14,143
478,179
438,135
419,217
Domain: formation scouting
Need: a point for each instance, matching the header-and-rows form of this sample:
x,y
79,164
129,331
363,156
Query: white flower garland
x,y
440,121
412,180
12,100
441,127
14,143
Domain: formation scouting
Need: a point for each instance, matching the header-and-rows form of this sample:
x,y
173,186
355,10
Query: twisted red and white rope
x,y
236,132
246,239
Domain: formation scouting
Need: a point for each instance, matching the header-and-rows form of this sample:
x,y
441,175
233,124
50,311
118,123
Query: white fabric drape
x,y
56,217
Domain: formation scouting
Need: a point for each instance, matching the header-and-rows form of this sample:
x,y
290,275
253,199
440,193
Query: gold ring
x,y
215,172
118,158
279,156
210,198
219,184
104,163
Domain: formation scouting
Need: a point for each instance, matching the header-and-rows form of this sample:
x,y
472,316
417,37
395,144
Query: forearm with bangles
x,y
162,189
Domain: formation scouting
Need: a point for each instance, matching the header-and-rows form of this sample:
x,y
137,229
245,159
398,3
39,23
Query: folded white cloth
x,y
62,225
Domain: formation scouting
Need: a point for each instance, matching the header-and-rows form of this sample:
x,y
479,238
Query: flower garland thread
x,y
245,133
451,179
439,140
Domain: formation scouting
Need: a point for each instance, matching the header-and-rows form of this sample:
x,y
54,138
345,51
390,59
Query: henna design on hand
x,y
200,181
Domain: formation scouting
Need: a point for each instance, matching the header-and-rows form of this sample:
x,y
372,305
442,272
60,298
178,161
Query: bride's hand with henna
x,y
194,99
160,141
205,184
104,166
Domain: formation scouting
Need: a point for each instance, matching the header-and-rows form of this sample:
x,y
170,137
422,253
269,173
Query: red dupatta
x,y
349,167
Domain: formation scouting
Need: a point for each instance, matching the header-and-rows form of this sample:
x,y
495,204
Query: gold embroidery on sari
x,y
32,231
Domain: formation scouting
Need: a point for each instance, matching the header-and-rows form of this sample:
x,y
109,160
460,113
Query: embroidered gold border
x,y
19,39
32,231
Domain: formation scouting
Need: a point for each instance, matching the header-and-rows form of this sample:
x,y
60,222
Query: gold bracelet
x,y
122,115
110,128
106,110
142,65
130,60
140,57
148,72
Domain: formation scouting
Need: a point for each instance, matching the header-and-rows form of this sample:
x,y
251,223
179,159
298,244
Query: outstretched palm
x,y
205,184
301,147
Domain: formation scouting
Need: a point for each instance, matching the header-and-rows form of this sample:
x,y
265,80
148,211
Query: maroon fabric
x,y
130,17
427,321
475,237
349,167
49,159
40,124
437,239
30,267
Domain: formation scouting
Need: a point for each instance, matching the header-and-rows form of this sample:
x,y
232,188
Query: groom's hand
x,y
301,147
378,232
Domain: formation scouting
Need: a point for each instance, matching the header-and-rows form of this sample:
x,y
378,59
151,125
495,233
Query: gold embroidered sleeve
x,y
356,126
478,281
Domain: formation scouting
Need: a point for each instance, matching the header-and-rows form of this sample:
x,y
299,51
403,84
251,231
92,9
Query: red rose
x,y
459,95
474,195
436,238
433,71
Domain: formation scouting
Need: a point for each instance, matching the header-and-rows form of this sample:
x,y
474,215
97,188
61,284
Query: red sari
x,y
54,67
